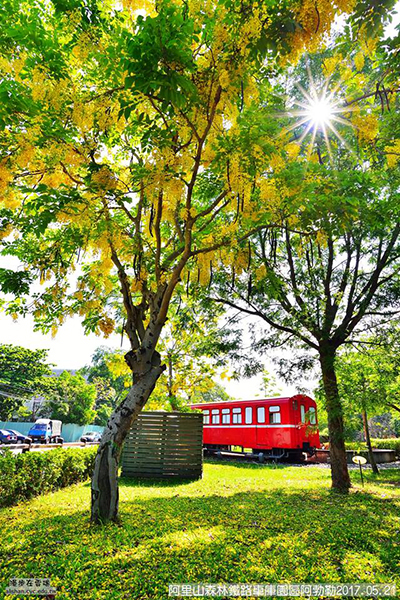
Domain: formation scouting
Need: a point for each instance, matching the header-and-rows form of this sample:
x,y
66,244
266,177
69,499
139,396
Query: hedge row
x,y
384,444
23,476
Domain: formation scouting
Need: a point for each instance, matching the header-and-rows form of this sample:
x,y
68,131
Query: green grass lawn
x,y
242,523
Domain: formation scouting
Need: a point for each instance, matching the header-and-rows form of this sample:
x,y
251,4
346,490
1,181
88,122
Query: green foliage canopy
x,y
24,373
71,400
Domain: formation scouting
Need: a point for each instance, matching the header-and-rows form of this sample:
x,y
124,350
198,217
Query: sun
x,y
320,112
317,113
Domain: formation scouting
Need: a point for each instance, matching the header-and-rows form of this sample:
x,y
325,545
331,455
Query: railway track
x,y
254,458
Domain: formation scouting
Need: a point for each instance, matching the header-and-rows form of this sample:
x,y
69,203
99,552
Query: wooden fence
x,y
164,445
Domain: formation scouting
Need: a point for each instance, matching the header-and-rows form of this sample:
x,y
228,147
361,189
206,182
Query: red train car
x,y
274,427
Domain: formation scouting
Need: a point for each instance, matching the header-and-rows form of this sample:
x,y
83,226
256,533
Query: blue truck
x,y
46,431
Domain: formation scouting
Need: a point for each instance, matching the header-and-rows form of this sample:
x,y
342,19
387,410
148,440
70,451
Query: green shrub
x,y
387,444
384,444
23,476
356,446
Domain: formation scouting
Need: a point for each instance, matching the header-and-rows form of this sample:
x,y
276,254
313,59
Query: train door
x,y
302,424
306,418
261,430
298,418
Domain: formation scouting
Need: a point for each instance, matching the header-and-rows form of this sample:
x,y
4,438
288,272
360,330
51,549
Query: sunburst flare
x,y
317,112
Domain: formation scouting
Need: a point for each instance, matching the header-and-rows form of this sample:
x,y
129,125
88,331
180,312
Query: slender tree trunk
x,y
340,473
368,441
105,475
170,384
170,375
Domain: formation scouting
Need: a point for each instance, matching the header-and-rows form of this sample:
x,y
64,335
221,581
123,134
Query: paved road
x,y
18,448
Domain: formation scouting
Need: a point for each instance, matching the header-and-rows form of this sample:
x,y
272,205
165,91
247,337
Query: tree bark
x,y
340,473
170,384
368,441
170,375
105,475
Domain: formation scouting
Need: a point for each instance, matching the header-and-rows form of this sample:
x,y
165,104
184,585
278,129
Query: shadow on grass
x,y
246,463
144,482
307,535
154,482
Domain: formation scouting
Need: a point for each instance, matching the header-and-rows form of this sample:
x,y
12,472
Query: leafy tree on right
x,y
369,380
330,272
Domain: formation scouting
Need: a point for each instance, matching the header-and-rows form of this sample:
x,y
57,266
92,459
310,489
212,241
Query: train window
x,y
261,414
248,415
302,413
295,406
274,414
206,417
215,417
236,415
226,417
313,416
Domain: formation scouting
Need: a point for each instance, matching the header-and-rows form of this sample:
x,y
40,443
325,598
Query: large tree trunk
x,y
340,473
105,475
368,441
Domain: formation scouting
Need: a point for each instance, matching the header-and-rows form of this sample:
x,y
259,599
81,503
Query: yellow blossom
x,y
82,116
5,177
293,150
359,61
38,85
367,126
277,163
104,179
321,239
26,155
393,154
10,200
331,63
5,231
107,326
224,79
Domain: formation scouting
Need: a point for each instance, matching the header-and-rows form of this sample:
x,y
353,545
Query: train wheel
x,y
261,457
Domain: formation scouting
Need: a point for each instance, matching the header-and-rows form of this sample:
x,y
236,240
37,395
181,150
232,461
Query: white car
x,y
91,436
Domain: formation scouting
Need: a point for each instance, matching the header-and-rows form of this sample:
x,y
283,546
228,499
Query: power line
x,y
8,395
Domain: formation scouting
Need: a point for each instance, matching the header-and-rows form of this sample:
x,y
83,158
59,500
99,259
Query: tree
x,y
320,295
353,379
270,384
195,344
105,401
109,386
369,379
100,370
215,393
71,400
24,373
385,425
332,271
132,147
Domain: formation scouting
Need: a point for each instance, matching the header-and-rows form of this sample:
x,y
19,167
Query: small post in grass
x,y
360,460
